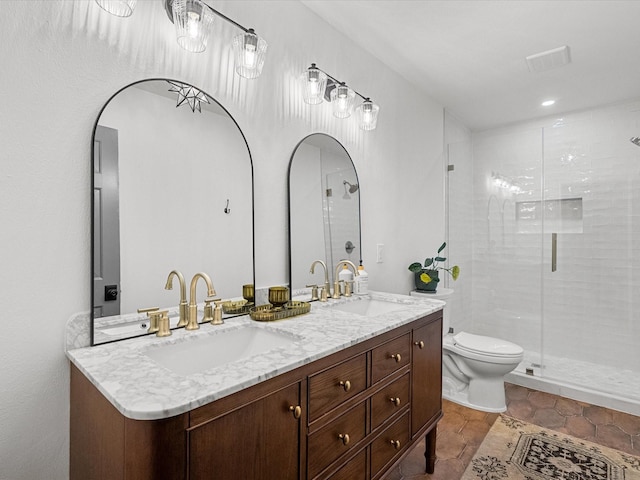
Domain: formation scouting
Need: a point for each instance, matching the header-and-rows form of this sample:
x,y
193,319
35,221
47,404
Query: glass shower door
x,y
508,235
590,300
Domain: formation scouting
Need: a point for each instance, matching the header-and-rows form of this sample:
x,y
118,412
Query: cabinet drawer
x,y
356,469
389,400
332,387
331,441
390,356
391,443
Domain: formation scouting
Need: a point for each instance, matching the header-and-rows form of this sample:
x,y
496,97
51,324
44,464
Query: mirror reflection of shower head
x,y
352,188
635,141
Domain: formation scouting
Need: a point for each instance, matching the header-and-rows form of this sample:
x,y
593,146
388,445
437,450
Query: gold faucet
x,y
327,285
336,283
192,324
183,295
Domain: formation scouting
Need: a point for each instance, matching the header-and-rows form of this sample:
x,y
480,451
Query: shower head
x,y
352,188
635,141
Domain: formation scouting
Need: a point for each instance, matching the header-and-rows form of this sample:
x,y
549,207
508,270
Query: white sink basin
x,y
209,351
368,307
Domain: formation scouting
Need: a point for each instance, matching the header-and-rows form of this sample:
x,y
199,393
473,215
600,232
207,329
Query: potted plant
x,y
426,276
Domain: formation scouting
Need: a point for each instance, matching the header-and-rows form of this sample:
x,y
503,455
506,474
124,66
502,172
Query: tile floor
x,y
462,430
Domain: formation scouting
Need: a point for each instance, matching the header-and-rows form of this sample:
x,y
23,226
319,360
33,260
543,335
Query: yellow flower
x,y
425,278
455,272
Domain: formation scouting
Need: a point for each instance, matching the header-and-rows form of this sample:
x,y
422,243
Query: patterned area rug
x,y
520,451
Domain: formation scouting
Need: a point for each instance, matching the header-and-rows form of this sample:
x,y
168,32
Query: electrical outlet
x,y
380,253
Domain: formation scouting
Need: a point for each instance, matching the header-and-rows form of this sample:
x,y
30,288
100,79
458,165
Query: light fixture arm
x,y
168,6
318,85
338,82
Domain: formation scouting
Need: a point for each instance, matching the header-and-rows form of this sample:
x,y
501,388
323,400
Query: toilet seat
x,y
489,346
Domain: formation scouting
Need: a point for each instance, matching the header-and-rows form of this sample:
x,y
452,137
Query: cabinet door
x,y
259,441
426,383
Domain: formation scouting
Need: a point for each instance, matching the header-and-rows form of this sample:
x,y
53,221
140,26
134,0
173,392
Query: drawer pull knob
x,y
397,357
420,344
396,444
297,411
346,385
395,401
345,438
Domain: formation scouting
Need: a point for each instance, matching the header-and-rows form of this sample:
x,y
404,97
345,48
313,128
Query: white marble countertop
x,y
142,389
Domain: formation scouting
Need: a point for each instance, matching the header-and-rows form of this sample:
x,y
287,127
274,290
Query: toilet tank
x,y
443,294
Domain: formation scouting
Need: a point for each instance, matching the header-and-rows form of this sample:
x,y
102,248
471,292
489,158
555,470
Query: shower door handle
x,y
554,252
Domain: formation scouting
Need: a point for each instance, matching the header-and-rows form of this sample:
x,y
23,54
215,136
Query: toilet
x,y
473,366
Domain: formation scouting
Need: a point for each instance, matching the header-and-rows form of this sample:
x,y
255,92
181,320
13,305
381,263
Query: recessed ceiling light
x,y
548,103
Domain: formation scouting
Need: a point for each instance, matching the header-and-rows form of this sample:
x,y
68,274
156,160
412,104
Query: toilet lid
x,y
487,345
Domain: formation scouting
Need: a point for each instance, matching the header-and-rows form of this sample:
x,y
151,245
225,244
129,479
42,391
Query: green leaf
x,y
444,244
441,259
425,278
428,262
455,272
415,267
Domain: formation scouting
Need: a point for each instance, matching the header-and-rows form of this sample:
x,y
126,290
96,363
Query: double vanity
x,y
342,392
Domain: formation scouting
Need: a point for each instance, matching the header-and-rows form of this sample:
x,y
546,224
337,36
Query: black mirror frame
x,y
93,134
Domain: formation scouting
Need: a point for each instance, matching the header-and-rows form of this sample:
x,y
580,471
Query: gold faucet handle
x,y
148,310
324,295
314,292
217,314
163,323
154,316
348,286
211,314
208,309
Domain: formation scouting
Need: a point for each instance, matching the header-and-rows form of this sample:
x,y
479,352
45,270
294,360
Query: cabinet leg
x,y
430,450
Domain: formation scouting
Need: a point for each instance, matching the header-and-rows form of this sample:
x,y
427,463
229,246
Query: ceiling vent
x,y
548,60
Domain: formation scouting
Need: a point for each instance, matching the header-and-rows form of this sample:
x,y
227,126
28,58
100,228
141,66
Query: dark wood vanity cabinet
x,y
349,416
257,440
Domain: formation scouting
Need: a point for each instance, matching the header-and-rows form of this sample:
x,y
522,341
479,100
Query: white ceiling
x,y
470,54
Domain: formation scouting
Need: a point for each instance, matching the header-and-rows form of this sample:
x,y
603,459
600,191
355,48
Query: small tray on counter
x,y
270,313
238,307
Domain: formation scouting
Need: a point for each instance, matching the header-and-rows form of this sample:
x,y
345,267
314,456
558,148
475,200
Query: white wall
x,y
61,61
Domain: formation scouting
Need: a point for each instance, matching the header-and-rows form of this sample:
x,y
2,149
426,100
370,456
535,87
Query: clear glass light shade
x,y
314,83
249,51
119,8
192,20
367,114
342,98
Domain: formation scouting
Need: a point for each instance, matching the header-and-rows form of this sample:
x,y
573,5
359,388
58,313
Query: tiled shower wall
x,y
589,308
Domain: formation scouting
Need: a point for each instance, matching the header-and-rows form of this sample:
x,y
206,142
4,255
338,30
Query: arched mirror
x,y
172,190
324,209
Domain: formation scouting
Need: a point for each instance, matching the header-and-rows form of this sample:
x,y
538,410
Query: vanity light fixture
x,y
367,113
317,84
342,98
314,83
189,94
193,20
548,103
194,17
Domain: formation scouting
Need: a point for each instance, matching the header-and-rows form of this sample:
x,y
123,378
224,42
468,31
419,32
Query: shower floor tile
x,y
599,379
